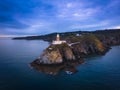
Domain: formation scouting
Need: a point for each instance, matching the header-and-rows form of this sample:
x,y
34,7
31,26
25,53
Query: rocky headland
x,y
79,44
85,46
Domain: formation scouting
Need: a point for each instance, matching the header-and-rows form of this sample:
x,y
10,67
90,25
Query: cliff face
x,y
68,54
65,51
50,56
56,54
89,45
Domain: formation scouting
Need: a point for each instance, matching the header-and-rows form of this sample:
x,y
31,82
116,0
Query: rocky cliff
x,y
56,54
85,46
89,45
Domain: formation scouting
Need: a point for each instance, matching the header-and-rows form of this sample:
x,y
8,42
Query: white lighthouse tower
x,y
58,37
58,41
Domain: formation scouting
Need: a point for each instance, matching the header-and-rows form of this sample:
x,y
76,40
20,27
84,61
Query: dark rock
x,y
54,69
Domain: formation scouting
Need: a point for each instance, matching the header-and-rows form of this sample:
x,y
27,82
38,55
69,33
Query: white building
x,y
58,41
78,34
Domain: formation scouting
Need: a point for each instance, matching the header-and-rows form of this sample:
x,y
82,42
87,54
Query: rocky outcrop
x,y
50,56
56,54
68,53
58,58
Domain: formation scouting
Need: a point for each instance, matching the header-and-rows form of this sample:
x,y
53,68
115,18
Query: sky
x,y
37,17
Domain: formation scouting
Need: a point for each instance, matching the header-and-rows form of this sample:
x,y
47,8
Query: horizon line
x,y
3,35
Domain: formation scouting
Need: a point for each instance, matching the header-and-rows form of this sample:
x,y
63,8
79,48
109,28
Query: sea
x,y
16,73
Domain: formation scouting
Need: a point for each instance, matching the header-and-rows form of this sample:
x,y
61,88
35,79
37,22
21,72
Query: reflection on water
x,y
67,67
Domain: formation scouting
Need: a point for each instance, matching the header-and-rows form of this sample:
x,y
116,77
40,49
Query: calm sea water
x,y
96,73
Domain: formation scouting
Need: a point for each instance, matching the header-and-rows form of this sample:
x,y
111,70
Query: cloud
x,y
90,25
34,26
28,17
76,11
116,27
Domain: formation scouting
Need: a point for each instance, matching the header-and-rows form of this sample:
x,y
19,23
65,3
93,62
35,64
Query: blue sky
x,y
36,17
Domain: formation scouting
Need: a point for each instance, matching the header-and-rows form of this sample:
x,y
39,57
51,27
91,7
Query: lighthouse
x,y
58,41
58,37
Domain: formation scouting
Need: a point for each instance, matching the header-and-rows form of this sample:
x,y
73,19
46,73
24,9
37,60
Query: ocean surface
x,y
96,73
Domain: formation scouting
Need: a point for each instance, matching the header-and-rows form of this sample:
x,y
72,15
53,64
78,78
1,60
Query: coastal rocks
x,y
66,67
56,54
50,56
68,54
